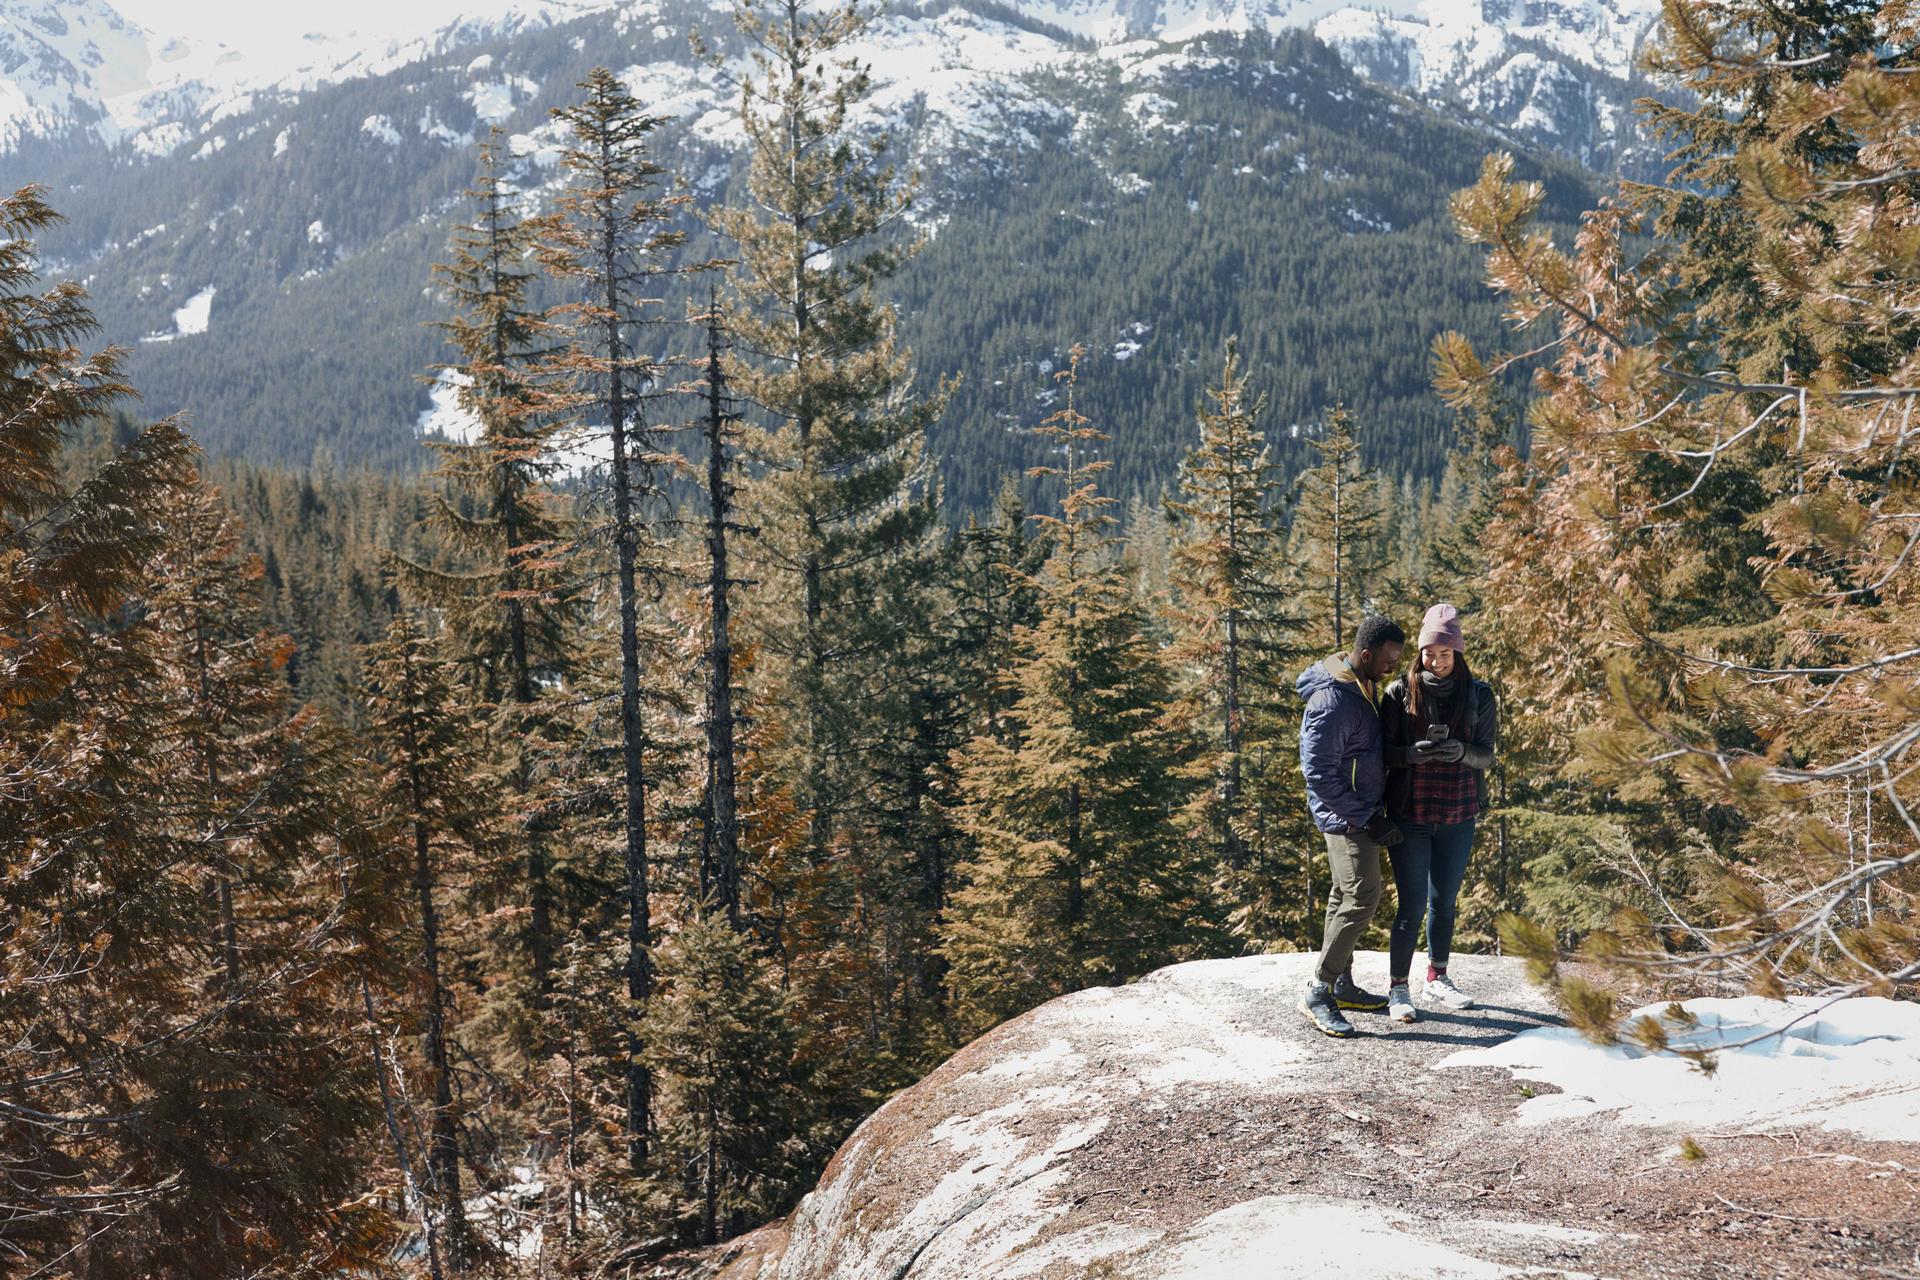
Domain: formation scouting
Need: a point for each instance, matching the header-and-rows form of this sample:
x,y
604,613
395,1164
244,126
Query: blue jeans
x,y
1428,865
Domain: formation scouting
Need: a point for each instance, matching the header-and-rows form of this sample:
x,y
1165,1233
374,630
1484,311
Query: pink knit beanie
x,y
1442,626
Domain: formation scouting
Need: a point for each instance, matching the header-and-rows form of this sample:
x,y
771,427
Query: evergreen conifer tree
x,y
607,238
1227,605
1080,873
430,780
721,1046
1754,720
161,1116
846,492
510,602
1235,645
720,844
845,502
1337,534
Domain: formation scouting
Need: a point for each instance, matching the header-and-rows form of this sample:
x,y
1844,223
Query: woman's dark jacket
x,y
1476,724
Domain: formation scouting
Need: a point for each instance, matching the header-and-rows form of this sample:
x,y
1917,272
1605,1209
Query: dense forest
x,y
525,872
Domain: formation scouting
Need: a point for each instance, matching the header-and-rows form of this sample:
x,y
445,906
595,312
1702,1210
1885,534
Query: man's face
x,y
1378,664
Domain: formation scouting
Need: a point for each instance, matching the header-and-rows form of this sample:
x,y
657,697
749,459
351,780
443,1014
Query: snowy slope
x,y
1852,1065
1551,69
80,66
63,58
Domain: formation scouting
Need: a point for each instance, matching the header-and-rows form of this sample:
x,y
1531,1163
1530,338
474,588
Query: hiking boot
x,y
1317,1005
1441,991
1400,1003
1348,994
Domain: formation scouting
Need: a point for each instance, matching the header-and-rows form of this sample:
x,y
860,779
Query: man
x,y
1341,753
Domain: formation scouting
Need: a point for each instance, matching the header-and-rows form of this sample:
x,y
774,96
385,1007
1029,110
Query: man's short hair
x,y
1377,630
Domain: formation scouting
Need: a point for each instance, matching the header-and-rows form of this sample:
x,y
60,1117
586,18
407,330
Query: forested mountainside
x,y
1146,200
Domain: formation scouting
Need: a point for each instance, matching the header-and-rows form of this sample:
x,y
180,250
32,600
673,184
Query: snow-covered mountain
x,y
79,69
1556,71
257,218
1559,71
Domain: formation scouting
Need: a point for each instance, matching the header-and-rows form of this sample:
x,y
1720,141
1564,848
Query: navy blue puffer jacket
x,y
1341,749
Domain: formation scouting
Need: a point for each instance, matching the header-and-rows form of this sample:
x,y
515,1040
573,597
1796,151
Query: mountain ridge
x,y
1146,198
1555,69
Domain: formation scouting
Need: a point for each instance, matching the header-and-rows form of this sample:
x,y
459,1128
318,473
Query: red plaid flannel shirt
x,y
1444,793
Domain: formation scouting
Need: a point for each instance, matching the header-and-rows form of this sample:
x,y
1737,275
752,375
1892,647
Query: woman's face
x,y
1437,658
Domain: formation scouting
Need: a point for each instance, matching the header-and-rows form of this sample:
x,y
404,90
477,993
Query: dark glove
x,y
1381,831
1449,752
1423,752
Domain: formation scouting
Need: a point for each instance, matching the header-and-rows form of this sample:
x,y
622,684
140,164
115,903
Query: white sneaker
x,y
1441,991
1400,1003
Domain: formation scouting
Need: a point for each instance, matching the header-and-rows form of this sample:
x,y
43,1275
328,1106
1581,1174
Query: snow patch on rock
x,y
1852,1065
1311,1236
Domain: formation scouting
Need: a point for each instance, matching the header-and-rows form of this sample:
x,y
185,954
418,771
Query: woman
x,y
1440,727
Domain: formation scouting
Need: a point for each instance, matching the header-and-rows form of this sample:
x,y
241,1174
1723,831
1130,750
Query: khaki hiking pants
x,y
1355,860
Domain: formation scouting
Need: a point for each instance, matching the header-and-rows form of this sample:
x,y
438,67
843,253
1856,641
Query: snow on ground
x,y
190,318
431,126
577,450
495,100
1316,1235
380,129
1852,1065
542,145
445,417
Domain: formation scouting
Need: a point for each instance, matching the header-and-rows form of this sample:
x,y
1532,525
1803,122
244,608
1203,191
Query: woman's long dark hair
x,y
1462,696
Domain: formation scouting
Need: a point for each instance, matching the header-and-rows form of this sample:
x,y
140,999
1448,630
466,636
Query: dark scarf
x,y
1437,702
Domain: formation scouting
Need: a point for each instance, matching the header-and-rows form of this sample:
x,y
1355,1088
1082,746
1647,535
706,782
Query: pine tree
x,y
510,603
997,562
430,781
1081,874
720,847
720,1044
1759,733
1235,644
1338,526
1227,606
847,494
608,236
1744,66
845,503
177,1102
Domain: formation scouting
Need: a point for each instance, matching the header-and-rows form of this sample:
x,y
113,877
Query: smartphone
x,y
1437,732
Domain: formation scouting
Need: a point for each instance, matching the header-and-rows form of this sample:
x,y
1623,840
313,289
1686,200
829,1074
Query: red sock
x,y
1433,973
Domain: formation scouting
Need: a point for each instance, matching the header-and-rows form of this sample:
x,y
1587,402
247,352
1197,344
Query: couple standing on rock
x,y
1403,771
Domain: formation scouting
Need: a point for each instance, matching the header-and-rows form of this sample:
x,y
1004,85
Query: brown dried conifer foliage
x,y
189,901
1715,557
